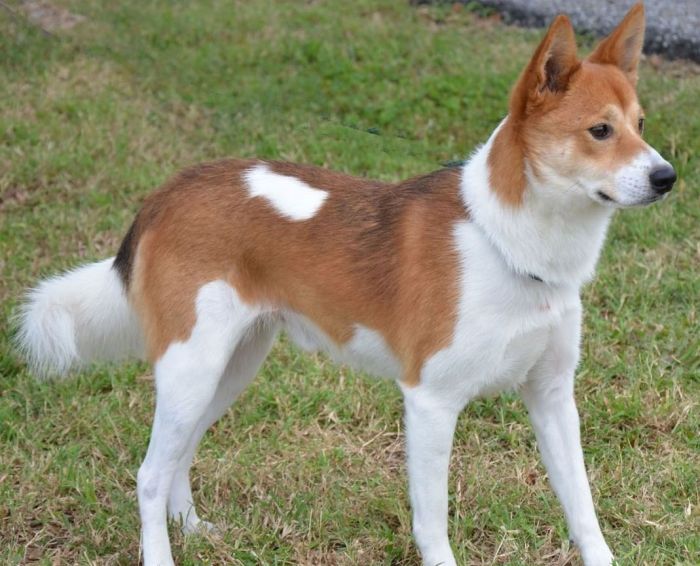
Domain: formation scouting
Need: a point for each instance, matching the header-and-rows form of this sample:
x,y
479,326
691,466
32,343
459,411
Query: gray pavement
x,y
673,26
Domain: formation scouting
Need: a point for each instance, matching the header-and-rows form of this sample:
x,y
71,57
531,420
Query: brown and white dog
x,y
456,284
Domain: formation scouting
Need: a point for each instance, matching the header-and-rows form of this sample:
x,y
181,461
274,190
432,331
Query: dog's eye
x,y
601,131
641,125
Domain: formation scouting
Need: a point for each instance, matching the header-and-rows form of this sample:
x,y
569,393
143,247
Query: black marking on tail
x,y
124,262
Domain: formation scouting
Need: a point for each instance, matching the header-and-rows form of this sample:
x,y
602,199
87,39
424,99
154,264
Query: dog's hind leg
x,y
187,378
240,371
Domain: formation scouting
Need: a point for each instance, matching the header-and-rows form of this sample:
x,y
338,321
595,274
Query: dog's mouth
x,y
605,198
651,200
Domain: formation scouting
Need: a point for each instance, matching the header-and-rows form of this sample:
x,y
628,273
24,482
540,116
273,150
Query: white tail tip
x,y
76,318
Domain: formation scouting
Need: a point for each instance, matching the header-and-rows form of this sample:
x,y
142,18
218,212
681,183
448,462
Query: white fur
x,y
291,197
76,318
632,183
501,328
368,351
365,351
240,371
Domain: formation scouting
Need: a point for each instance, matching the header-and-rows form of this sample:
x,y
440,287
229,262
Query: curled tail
x,y
76,318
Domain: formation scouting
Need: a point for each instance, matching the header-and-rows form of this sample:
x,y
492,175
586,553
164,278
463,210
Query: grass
x,y
308,468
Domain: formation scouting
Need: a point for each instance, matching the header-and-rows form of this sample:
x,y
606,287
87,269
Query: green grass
x,y
308,468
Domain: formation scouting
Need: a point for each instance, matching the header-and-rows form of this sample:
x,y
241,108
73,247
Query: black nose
x,y
662,179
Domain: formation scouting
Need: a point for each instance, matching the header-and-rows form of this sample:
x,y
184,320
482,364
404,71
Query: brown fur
x,y
544,80
597,94
623,47
375,254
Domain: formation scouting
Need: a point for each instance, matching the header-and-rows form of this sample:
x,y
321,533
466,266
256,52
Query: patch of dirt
x,y
12,196
50,17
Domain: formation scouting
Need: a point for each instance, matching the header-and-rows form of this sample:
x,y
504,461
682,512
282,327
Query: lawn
x,y
309,466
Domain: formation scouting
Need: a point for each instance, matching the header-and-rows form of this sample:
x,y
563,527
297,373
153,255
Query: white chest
x,y
504,324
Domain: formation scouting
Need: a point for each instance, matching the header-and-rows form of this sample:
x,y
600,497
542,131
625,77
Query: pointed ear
x,y
550,68
623,47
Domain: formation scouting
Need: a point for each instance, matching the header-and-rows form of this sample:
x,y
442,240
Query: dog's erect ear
x,y
623,47
549,69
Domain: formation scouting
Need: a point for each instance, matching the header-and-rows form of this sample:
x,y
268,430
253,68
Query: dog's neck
x,y
555,234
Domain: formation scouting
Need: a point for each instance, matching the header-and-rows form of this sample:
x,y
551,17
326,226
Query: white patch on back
x,y
288,195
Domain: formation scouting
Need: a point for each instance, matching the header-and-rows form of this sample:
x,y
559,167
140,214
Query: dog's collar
x,y
532,276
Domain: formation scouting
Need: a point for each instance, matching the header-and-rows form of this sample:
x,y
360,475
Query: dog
x,y
457,284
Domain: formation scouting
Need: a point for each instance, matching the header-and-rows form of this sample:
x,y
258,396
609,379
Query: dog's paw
x,y
597,556
440,558
199,527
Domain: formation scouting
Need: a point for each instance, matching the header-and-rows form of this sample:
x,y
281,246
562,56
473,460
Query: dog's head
x,y
578,125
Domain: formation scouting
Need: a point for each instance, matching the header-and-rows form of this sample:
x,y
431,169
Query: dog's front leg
x,y
549,397
430,425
